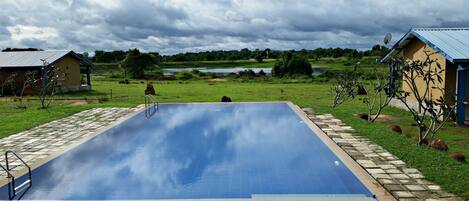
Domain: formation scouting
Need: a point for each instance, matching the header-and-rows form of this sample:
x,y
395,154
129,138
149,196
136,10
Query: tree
x,y
375,92
259,58
267,52
17,89
47,84
135,63
290,65
425,97
9,49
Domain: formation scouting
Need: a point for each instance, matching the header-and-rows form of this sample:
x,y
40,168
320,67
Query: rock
x,y
363,116
361,90
225,99
150,90
439,145
424,141
395,128
458,156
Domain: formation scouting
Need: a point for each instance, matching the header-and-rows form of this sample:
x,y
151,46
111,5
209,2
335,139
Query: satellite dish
x,y
387,38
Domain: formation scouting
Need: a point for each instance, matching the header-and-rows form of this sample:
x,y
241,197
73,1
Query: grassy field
x,y
435,165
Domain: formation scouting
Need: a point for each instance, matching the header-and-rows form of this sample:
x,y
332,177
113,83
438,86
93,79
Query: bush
x,y
247,73
185,75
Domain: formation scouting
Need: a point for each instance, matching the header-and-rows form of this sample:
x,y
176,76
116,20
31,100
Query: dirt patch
x,y
381,118
78,102
216,80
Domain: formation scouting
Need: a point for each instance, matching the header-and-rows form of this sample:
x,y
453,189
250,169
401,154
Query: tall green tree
x,y
290,64
135,63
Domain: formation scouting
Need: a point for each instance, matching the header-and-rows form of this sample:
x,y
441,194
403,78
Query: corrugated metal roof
x,y
453,43
29,58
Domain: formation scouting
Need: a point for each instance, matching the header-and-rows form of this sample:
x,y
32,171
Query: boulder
x,y
225,99
363,116
395,128
458,156
439,145
150,90
361,90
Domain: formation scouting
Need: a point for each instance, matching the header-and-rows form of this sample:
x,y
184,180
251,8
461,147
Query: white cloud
x,y
22,32
171,26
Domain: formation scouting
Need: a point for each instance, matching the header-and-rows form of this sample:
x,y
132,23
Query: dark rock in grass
x,y
363,116
225,99
424,141
395,128
361,90
439,145
458,156
126,81
150,90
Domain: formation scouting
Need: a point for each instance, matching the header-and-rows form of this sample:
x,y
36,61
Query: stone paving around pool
x,y
41,142
403,182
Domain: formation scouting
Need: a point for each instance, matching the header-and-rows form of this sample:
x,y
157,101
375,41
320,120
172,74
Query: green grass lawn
x,y
435,165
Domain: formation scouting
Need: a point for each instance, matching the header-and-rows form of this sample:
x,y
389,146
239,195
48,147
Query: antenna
x,y
387,38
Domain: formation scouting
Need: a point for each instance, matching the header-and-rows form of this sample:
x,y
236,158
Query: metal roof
x,y
453,43
30,58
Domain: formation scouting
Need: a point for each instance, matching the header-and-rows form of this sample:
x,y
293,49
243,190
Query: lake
x,y
169,71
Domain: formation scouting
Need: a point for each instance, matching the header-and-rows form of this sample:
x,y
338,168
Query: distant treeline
x,y
244,54
257,54
9,49
116,56
101,56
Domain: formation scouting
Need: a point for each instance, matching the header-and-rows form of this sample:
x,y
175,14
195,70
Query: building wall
x,y
19,80
415,50
70,67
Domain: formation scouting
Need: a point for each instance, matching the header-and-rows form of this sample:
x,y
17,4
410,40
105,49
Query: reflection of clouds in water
x,y
152,162
213,150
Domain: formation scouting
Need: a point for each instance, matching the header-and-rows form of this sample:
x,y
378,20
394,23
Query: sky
x,y
174,26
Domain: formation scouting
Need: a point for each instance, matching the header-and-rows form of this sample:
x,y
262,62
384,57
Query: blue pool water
x,y
198,151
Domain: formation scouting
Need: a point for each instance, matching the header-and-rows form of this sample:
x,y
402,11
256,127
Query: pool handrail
x,y
12,188
150,103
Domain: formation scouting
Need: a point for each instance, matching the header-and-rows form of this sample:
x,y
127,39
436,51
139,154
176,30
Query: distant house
x,y
451,48
75,69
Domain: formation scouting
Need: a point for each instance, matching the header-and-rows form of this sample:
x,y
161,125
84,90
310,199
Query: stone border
x,y
404,182
43,143
369,182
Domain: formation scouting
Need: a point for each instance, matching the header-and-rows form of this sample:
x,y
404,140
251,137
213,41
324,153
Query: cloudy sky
x,y
172,26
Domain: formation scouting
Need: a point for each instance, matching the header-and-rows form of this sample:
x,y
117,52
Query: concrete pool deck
x,y
43,143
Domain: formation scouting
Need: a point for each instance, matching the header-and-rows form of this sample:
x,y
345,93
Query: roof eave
x,y
410,33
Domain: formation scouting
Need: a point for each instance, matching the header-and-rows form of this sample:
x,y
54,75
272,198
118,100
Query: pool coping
x,y
373,186
369,182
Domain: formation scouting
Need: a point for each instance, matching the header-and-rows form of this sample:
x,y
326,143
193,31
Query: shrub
x,y
185,75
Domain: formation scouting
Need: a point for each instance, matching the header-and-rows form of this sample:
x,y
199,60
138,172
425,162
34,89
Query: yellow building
x,y
74,70
450,48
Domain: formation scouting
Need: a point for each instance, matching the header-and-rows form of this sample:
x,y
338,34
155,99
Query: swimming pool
x,y
193,151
